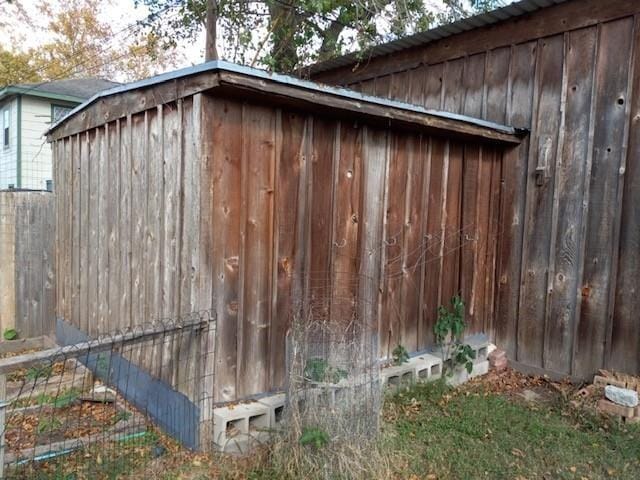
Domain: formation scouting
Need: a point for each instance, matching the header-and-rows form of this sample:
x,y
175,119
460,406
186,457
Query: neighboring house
x,y
26,112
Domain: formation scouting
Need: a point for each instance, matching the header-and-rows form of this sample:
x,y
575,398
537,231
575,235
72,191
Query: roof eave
x,y
219,74
13,90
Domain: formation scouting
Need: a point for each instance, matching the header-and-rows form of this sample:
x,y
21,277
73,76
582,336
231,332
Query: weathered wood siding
x,y
568,260
249,209
321,210
27,283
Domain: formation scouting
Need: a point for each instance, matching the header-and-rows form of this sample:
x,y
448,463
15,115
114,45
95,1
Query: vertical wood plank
x,y
374,166
154,213
115,231
625,340
85,175
172,178
580,50
612,70
321,215
74,248
259,158
93,247
452,229
433,86
392,324
102,252
288,205
189,229
224,152
411,257
452,88
513,197
537,238
433,241
139,176
347,220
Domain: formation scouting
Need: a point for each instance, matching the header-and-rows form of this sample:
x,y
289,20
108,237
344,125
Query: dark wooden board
x,y
625,341
567,251
611,77
539,200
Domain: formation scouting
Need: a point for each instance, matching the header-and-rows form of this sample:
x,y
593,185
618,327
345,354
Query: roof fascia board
x,y
199,78
32,92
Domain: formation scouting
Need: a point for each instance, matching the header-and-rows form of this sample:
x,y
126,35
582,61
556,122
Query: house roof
x,y
513,10
245,82
75,90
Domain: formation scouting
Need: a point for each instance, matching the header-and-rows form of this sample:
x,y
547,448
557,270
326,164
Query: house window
x,y
58,112
5,128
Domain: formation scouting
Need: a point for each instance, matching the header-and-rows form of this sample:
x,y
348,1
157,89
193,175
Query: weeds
x,y
449,333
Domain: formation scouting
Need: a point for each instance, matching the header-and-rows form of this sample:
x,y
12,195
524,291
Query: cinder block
x,y
244,421
275,404
427,367
479,368
400,376
614,409
460,374
480,346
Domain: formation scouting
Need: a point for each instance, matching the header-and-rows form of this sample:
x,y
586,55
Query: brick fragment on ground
x,y
601,381
605,406
498,360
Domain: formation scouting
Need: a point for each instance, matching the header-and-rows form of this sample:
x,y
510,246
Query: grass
x,y
429,432
482,435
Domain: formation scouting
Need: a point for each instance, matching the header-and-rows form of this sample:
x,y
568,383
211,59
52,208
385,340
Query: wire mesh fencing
x,y
334,391
91,408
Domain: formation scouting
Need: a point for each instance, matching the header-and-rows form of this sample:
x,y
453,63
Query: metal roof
x,y
507,12
222,66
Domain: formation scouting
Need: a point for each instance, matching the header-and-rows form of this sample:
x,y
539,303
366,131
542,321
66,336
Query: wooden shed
x,y
223,187
569,252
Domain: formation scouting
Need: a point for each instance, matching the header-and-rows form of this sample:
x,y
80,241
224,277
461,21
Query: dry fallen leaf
x,y
517,452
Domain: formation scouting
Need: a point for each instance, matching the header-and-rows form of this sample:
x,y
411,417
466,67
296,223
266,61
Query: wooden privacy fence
x,y
27,283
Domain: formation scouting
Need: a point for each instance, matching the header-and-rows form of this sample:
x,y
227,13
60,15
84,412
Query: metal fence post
x,y
3,406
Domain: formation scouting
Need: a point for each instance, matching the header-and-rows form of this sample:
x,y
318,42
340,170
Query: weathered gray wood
x,y
149,332
624,352
559,334
8,266
612,70
539,198
27,283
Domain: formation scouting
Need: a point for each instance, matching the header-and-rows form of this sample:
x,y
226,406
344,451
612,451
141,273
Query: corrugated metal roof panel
x,y
513,10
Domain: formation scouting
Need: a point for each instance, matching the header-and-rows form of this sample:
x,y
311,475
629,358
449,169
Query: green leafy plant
x,y
102,365
314,436
319,370
10,334
400,355
449,332
123,415
48,424
39,371
66,398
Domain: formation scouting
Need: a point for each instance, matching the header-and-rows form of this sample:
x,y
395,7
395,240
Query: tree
x,y
286,34
80,44
16,67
